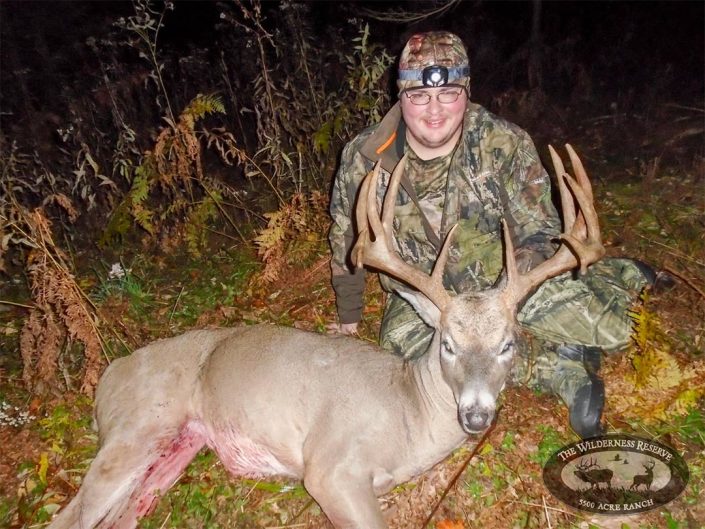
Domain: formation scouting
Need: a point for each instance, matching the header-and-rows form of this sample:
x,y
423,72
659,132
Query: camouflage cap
x,y
433,48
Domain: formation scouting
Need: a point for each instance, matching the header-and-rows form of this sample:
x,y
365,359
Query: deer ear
x,y
423,306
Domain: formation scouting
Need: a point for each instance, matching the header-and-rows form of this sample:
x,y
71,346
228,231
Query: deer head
x,y
475,331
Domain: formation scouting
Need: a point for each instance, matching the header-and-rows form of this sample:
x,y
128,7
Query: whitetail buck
x,y
644,479
348,418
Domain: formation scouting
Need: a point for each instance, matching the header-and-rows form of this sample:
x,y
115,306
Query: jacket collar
x,y
387,141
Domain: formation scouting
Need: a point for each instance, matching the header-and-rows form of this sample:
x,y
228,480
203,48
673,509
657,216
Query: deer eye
x,y
446,348
507,348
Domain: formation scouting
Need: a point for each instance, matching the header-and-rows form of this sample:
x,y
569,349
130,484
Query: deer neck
x,y
434,393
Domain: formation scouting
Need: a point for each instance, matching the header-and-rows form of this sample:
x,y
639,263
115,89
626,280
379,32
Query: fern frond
x,y
660,387
198,219
202,105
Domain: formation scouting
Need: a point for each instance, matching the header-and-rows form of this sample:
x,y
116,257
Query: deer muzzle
x,y
477,412
476,420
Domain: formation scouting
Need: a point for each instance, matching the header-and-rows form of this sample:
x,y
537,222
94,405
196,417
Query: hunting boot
x,y
659,280
577,382
569,371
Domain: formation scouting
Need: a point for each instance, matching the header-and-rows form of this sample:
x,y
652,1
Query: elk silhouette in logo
x,y
590,472
644,479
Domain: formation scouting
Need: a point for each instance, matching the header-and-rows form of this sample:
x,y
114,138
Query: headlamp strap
x,y
435,75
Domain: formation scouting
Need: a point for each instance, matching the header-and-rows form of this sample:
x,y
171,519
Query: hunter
x,y
469,167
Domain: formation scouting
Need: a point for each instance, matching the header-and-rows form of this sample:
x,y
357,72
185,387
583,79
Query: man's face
x,y
434,127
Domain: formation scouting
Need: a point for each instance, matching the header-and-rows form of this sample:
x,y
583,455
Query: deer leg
x,y
348,500
127,477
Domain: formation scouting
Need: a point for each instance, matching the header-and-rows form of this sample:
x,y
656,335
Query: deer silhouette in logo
x,y
591,473
644,479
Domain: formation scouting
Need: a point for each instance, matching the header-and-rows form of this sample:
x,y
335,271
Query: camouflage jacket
x,y
493,173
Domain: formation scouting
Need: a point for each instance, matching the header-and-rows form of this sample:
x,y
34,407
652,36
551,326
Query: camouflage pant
x,y
590,311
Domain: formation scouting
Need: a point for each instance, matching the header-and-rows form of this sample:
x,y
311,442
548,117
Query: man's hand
x,y
348,329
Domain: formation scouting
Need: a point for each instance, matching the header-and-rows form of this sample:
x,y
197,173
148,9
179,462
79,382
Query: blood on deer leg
x,y
127,477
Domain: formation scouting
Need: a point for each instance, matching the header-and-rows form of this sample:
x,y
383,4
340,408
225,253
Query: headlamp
x,y
435,75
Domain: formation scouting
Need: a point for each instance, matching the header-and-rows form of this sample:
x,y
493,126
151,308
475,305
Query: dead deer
x,y
591,473
644,479
348,418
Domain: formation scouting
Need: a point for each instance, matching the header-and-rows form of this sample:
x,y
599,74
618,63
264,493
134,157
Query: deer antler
x,y
581,240
586,465
375,248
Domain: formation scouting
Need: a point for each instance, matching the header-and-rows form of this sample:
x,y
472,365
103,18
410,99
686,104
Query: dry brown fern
x,y
169,188
302,219
60,310
177,152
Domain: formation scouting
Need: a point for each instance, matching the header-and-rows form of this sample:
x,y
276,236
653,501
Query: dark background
x,y
631,52
623,81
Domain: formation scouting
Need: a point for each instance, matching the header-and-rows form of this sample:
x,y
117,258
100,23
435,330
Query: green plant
x,y
508,441
550,442
691,427
209,283
170,183
124,282
361,100
6,511
672,523
303,119
295,226
71,446
662,386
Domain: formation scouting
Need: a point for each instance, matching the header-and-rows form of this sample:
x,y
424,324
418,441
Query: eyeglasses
x,y
444,96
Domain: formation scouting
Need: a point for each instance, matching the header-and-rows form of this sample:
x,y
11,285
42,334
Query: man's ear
x,y
423,306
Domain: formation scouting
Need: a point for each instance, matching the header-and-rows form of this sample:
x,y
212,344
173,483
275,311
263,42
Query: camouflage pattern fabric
x,y
402,331
539,365
494,173
592,310
432,48
589,310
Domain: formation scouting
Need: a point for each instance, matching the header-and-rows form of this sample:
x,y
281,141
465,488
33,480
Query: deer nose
x,y
477,420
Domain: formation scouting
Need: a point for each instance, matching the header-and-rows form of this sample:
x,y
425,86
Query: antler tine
x,y
567,205
440,264
510,264
580,173
588,227
581,240
367,214
390,196
363,226
379,253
